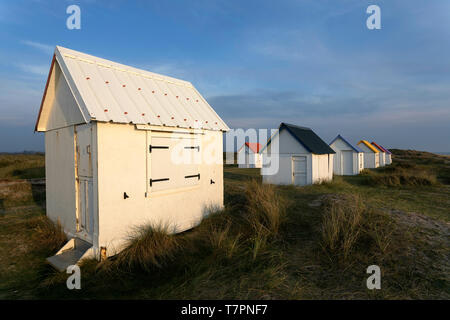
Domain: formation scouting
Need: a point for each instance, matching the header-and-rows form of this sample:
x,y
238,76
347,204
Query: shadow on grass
x,y
244,176
30,173
38,194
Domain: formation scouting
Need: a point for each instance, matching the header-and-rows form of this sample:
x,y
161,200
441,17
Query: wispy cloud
x,y
45,48
40,70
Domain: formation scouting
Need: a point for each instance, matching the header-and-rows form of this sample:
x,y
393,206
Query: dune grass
x,y
22,166
269,242
147,247
400,174
47,235
342,224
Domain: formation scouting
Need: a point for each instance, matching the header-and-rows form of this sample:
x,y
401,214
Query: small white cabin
x,y
381,154
388,155
298,156
248,155
349,159
371,157
125,147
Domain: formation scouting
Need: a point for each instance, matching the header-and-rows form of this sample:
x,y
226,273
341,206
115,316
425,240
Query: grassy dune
x,y
270,242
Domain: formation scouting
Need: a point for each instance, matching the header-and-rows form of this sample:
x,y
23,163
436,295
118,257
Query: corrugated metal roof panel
x,y
368,145
114,92
386,150
378,147
254,146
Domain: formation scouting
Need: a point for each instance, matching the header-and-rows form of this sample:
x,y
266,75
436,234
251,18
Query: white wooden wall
x,y
371,159
248,159
123,167
357,158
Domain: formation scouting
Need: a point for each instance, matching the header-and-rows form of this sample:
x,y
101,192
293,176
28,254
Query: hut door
x,y
299,171
347,162
85,212
85,217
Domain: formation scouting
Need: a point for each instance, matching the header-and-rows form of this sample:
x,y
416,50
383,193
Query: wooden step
x,y
70,256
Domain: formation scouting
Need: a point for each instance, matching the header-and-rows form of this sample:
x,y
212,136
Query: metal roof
x,y
368,145
111,92
306,137
254,146
356,148
378,147
386,150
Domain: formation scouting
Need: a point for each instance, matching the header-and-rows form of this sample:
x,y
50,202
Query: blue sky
x,y
312,63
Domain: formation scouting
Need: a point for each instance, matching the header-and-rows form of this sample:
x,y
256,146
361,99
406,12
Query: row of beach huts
x,y
304,158
114,138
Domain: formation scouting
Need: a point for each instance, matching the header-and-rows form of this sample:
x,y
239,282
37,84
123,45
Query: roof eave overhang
x,y
45,92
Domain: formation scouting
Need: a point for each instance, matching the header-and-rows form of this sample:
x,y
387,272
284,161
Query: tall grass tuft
x,y
147,247
265,209
47,235
341,226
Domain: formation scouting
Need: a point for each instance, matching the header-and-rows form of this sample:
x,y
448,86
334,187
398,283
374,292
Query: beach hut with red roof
x,y
249,155
381,153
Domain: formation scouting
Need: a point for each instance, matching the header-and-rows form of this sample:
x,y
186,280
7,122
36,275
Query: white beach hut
x,y
349,159
381,154
124,147
249,156
371,157
388,155
303,157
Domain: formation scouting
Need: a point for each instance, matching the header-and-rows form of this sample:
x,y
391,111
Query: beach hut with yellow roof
x,y
371,157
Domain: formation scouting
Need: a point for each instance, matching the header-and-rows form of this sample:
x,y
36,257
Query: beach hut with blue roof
x,y
349,159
